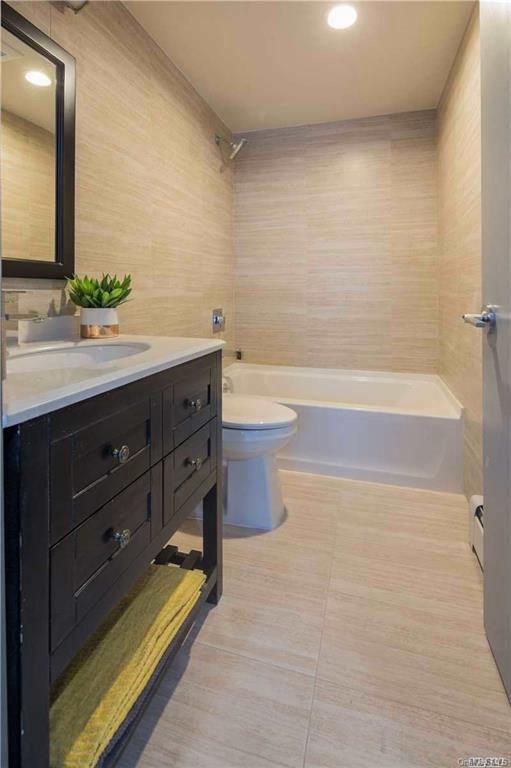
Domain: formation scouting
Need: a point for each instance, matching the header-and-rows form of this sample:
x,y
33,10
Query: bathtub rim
x,y
434,378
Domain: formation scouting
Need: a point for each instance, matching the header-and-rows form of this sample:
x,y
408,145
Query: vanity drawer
x,y
91,465
85,564
187,467
190,402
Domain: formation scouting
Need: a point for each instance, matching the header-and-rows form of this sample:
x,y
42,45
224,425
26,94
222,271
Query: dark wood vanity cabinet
x,y
86,465
94,491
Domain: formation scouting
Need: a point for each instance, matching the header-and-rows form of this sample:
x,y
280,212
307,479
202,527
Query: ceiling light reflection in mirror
x,y
342,16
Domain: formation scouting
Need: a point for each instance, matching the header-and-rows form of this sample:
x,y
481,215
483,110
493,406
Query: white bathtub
x,y
399,428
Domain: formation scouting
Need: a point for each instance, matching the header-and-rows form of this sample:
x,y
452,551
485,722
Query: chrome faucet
x,y
36,317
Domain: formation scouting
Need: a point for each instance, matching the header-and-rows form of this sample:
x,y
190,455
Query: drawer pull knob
x,y
122,538
195,463
195,404
122,454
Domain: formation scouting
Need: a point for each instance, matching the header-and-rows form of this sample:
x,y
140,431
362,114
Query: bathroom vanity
x,y
101,468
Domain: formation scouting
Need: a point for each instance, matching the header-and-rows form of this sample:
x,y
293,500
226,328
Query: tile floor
x,y
350,636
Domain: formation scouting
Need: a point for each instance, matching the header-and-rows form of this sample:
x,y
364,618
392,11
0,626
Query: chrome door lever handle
x,y
487,318
475,319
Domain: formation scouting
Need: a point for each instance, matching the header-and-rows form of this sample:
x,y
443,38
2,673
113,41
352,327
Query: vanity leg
x,y
212,537
27,593
213,521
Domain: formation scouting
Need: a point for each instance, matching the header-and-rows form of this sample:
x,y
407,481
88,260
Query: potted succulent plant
x,y
98,301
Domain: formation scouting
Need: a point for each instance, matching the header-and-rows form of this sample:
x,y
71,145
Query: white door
x,y
496,218
3,683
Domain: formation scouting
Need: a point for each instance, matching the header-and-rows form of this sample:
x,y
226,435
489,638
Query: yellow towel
x,y
103,682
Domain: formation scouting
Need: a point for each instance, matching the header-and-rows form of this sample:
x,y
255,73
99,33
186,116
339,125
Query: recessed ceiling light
x,y
35,77
342,16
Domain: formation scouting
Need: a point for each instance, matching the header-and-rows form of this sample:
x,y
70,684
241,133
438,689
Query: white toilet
x,y
254,430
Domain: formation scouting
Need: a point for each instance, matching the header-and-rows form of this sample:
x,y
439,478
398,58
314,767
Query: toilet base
x,y
253,493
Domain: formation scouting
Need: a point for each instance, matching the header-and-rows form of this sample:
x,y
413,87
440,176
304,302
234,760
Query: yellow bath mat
x,y
97,691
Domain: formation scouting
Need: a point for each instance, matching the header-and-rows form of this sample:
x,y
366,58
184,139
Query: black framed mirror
x,y
37,152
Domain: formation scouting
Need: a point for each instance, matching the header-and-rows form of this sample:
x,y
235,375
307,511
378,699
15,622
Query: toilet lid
x,y
243,412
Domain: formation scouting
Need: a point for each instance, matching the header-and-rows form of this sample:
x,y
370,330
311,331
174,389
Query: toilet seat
x,y
243,412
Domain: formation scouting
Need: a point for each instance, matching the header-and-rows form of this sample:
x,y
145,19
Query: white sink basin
x,y
43,377
72,357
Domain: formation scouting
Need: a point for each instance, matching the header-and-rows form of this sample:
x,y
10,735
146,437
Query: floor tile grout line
x,y
271,763
245,657
197,641
318,679
329,581
380,601
411,707
393,700
421,654
418,601
417,708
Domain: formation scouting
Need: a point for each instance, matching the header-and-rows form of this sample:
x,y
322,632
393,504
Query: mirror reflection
x,y
28,150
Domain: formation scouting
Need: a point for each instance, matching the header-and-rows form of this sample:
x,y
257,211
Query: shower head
x,y
76,5
235,146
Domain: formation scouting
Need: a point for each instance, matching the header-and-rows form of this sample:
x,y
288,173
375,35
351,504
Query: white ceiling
x,y
272,64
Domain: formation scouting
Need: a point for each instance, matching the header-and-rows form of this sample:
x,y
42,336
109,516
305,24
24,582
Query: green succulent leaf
x,y
91,292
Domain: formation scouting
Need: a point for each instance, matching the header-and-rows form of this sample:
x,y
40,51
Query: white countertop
x,y
27,395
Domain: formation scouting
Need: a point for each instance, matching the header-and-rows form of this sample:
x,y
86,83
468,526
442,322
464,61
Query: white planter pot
x,y
98,323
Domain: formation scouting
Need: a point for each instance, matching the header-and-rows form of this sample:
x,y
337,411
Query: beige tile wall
x,y
336,226
153,196
460,244
336,245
